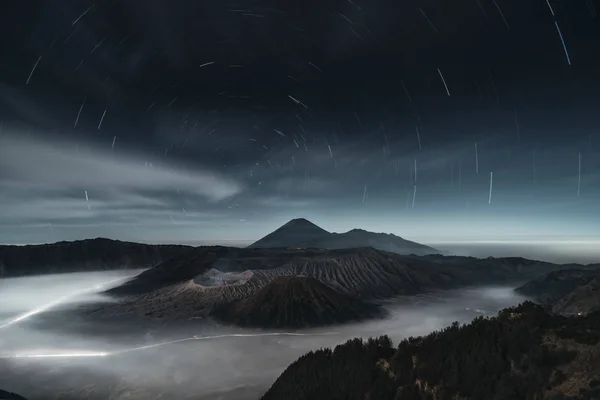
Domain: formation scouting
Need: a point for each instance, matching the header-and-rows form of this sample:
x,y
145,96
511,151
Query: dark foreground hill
x,y
4,395
295,302
523,353
82,256
303,233
569,292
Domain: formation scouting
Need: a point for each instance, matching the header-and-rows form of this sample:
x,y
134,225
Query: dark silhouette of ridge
x,y
4,395
300,232
83,255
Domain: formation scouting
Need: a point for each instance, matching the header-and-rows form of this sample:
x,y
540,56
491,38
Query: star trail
x,y
247,115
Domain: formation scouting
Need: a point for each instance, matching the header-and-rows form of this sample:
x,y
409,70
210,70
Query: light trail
x,y
476,159
550,7
579,177
57,355
415,170
90,354
414,196
562,40
428,20
444,82
502,15
56,302
491,182
232,335
33,69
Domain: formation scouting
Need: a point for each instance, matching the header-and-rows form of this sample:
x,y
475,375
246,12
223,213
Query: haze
x,y
109,356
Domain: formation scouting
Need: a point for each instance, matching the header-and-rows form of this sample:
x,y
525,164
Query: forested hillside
x,y
523,353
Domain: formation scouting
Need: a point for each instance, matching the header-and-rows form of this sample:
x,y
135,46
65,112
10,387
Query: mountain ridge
x,y
83,255
573,291
295,302
302,233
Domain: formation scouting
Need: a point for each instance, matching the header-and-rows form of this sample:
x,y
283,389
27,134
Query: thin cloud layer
x,y
62,183
60,165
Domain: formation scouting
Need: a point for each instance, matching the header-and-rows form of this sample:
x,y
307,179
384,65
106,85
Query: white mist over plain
x,y
138,360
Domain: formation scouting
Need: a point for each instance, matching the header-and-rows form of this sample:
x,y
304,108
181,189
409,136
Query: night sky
x,y
216,122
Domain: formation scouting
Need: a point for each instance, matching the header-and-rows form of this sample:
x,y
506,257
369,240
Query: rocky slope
x,y
303,233
584,299
82,255
569,292
295,302
524,353
184,287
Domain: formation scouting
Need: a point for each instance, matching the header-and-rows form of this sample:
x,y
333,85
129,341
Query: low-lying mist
x,y
24,294
66,353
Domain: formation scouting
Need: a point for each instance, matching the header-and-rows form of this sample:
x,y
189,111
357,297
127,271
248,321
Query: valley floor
x,y
103,358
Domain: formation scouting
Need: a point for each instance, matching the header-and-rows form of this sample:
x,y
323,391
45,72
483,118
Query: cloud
x,y
58,183
60,165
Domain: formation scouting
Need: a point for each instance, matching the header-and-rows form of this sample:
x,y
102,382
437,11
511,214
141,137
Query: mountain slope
x,y
303,233
568,292
185,286
82,255
177,269
298,232
584,299
523,353
178,288
295,302
380,241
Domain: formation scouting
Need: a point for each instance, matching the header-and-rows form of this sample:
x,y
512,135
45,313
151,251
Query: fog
x,y
67,352
24,294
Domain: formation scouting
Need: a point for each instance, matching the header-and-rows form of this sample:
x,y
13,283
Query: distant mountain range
x,y
104,254
573,291
82,256
188,282
524,353
295,302
303,233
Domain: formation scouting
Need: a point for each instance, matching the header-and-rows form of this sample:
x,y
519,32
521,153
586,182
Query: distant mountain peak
x,y
301,233
298,232
300,223
357,230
